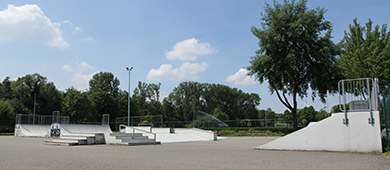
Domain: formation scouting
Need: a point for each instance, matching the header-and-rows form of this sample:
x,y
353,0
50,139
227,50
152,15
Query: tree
x,y
296,52
27,88
104,104
232,101
35,86
191,96
77,105
366,53
187,98
6,111
307,115
6,89
50,99
220,115
268,115
146,96
104,81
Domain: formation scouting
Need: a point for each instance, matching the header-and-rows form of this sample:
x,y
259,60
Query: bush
x,y
269,131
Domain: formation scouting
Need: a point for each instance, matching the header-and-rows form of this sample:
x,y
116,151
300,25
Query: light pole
x,y
128,100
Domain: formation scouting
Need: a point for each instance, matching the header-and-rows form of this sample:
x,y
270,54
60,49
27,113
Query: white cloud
x,y
80,78
84,66
29,23
67,22
186,71
241,78
88,38
77,29
67,68
81,67
189,49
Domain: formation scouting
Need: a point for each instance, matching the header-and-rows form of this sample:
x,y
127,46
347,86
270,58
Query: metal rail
x,y
361,95
154,134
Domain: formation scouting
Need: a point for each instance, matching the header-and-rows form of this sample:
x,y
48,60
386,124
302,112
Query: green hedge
x,y
7,126
226,131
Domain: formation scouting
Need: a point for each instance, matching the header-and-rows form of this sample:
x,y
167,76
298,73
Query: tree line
x,y
105,97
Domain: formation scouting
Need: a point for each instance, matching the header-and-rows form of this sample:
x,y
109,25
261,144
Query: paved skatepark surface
x,y
234,153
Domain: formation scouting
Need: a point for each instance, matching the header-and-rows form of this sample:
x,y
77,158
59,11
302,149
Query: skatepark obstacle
x,y
355,130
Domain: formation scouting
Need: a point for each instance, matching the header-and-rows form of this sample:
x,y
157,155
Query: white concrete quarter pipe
x,y
331,134
32,130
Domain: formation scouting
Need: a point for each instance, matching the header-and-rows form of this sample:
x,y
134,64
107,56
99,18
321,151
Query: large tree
x,y
296,53
104,81
366,52
77,105
34,86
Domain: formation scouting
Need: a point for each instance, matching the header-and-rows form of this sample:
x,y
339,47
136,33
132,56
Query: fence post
x,y
386,118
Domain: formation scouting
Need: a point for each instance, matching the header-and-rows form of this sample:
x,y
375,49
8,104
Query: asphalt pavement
x,y
234,153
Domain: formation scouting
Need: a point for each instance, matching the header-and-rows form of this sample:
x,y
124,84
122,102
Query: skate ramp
x,y
80,129
183,135
332,135
32,130
180,135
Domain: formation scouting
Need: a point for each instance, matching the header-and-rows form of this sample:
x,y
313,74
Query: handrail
x,y
361,94
154,134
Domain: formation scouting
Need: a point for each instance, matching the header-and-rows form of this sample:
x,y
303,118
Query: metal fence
x,y
40,119
361,95
386,116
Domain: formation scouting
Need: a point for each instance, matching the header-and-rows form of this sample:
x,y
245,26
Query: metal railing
x,y
386,116
144,131
361,95
40,119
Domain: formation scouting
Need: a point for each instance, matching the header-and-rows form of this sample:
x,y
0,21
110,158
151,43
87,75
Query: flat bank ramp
x,y
72,129
80,129
331,134
183,135
32,130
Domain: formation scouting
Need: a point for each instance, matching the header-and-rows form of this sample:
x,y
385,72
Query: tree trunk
x,y
294,111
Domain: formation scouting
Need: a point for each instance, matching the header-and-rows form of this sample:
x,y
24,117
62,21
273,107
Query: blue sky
x,y
165,41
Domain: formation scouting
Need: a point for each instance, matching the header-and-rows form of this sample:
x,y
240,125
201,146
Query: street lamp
x,y
128,100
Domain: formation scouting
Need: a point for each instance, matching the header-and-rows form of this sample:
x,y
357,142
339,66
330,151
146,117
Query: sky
x,y
208,41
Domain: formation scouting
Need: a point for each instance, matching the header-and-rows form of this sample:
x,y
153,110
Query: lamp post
x,y
128,100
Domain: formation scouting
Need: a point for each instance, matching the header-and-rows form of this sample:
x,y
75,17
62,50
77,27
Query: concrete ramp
x,y
183,135
180,135
81,128
32,130
332,135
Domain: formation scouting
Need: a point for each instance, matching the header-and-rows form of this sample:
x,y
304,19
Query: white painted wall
x,y
332,135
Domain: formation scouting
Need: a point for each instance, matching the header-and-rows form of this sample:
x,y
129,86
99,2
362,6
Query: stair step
x,y
130,137
125,134
73,138
133,140
80,135
143,142
62,143
80,142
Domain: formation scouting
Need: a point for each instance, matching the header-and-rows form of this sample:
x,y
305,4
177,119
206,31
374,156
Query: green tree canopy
x,y
104,81
366,52
6,111
296,52
77,105
190,96
25,89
